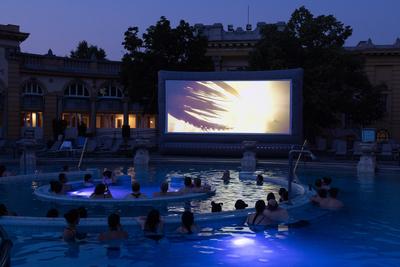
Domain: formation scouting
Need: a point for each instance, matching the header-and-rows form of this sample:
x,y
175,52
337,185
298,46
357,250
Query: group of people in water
x,y
101,190
267,212
326,196
152,226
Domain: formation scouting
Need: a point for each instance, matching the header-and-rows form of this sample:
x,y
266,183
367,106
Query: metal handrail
x,y
5,249
83,152
291,169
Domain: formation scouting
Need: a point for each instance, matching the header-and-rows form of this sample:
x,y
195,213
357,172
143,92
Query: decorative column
x,y
367,163
93,115
5,115
125,106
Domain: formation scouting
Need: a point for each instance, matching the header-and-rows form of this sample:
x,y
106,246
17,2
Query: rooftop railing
x,y
65,64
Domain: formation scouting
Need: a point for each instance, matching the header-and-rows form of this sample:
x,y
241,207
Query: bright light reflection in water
x,y
242,241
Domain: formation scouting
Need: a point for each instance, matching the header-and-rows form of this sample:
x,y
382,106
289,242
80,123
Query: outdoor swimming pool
x,y
365,233
18,196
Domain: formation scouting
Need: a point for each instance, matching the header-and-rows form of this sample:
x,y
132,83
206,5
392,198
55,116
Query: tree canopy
x,y
334,79
161,47
86,51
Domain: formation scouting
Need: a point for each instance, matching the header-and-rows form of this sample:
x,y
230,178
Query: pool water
x,y
365,233
19,197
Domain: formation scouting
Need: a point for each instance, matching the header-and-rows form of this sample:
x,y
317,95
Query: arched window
x,y
110,91
76,90
32,88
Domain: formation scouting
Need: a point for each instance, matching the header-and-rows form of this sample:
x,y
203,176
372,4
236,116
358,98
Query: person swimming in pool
x,y
136,192
270,196
332,202
109,178
164,191
274,213
226,177
187,224
152,225
321,197
258,217
326,183
101,192
56,187
87,180
115,231
71,234
198,187
240,204
260,180
62,178
188,186
283,195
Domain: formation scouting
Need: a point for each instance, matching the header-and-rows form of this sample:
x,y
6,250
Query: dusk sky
x,y
61,24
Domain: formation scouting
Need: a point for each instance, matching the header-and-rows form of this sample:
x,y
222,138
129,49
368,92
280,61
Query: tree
x,y
334,79
86,51
161,47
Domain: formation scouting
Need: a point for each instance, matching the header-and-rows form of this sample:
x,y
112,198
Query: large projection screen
x,y
228,106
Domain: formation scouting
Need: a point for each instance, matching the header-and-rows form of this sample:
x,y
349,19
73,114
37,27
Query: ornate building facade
x,y
37,89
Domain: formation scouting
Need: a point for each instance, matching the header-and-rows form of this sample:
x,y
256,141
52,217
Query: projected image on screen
x,y
261,107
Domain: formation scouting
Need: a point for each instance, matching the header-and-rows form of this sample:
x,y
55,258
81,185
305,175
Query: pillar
x,y
126,112
93,115
50,113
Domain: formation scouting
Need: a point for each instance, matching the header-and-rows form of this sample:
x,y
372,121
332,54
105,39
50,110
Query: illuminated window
x,y
76,90
110,91
132,121
109,120
151,122
32,119
32,88
73,119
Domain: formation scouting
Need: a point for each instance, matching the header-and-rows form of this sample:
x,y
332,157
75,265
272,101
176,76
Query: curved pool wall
x,y
44,194
39,225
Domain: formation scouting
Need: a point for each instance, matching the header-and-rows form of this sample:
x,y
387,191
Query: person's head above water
x,y
216,207
272,205
284,194
100,189
82,212
107,173
260,206
270,196
327,180
164,187
322,193
240,204
72,216
187,220
114,221
197,182
62,178
318,183
87,178
333,192
188,181
260,179
152,221
56,186
135,187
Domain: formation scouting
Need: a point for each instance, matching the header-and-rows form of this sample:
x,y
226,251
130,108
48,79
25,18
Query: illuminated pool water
x,y
365,233
19,196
